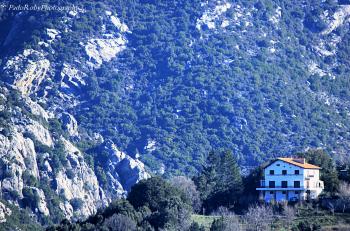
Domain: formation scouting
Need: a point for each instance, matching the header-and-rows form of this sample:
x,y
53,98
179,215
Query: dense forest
x,y
232,202
193,91
181,88
171,86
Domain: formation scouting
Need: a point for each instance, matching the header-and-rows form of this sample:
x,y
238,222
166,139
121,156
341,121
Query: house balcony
x,y
265,187
280,188
285,174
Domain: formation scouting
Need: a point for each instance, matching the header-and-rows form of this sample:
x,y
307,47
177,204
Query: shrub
x,y
120,222
77,203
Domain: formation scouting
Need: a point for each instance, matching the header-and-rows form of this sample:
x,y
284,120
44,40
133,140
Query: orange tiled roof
x,y
305,165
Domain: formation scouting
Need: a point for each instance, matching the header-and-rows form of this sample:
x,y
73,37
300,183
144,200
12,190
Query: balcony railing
x,y
284,174
280,187
264,184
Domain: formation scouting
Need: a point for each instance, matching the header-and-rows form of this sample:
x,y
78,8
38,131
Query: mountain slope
x,y
174,80
250,77
42,170
168,81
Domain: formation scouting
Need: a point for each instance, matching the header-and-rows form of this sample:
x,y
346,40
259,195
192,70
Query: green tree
x,y
328,173
218,225
195,227
169,207
220,183
250,182
229,173
206,180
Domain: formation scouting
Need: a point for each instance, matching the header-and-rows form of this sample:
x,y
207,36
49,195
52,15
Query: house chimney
x,y
299,160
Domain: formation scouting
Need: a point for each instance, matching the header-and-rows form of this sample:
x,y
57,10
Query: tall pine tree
x,y
328,172
206,180
220,182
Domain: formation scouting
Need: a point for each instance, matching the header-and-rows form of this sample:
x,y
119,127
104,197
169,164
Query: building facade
x,y
290,179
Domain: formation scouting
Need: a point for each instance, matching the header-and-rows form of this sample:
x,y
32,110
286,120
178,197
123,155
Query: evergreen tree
x,y
218,225
220,183
229,180
195,227
206,181
328,173
250,182
169,207
229,174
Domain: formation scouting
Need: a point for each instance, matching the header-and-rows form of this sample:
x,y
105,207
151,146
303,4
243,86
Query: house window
x,y
284,172
284,184
272,172
296,172
296,192
271,192
284,192
271,184
296,184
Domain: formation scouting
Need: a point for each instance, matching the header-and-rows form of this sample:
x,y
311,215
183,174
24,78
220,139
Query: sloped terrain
x,y
165,82
42,170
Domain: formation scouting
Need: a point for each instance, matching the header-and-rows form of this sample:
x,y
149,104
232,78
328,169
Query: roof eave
x,y
281,159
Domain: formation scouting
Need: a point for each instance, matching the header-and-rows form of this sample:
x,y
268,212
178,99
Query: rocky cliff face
x,y
39,163
4,212
123,171
31,170
169,81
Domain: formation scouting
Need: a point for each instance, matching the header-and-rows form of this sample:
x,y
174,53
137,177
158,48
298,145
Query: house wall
x,y
279,196
308,178
278,166
313,183
268,196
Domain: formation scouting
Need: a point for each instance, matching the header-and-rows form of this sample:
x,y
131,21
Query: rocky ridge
x,y
51,88
4,212
26,153
29,151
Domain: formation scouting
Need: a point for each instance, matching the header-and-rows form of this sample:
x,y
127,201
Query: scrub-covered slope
x,y
168,81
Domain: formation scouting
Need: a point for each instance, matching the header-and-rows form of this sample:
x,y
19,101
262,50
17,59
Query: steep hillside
x,y
42,170
171,81
166,82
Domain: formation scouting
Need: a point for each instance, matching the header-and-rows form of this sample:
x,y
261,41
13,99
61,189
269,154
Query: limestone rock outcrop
x,y
70,124
31,153
123,171
4,212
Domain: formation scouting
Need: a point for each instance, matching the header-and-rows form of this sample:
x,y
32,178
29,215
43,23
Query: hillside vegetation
x,y
224,205
95,100
177,91
261,78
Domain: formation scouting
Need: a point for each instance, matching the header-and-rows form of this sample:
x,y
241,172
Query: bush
x,y
77,203
29,179
70,174
30,198
307,226
169,206
119,222
195,227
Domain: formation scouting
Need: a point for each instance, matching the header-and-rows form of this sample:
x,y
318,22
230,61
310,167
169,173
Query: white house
x,y
290,179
